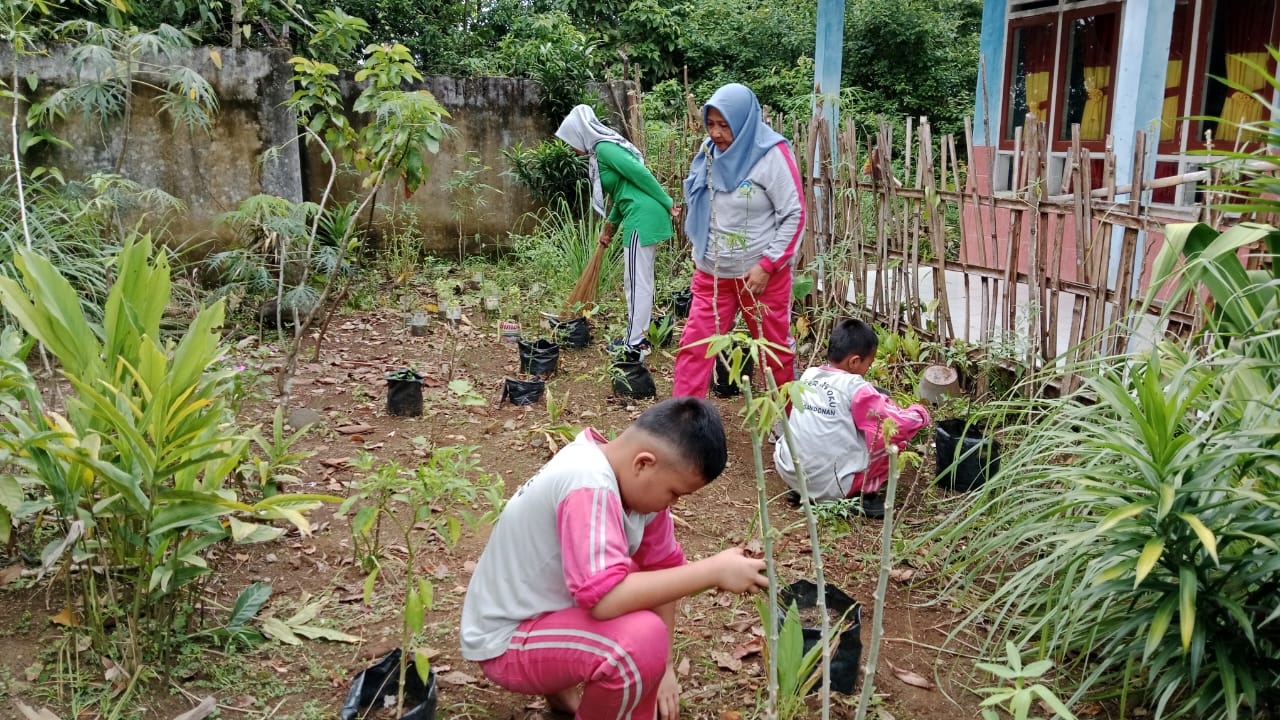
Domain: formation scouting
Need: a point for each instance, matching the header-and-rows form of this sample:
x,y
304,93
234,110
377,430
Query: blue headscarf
x,y
752,139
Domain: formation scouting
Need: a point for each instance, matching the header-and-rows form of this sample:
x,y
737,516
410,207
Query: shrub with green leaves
x,y
437,495
1131,534
550,171
134,470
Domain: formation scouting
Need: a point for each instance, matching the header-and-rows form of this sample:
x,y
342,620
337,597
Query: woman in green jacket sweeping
x,y
641,210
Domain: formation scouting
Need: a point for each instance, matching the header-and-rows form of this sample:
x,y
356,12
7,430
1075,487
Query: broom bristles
x,y
584,293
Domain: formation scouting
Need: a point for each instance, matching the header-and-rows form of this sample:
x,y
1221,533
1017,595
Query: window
x,y
1091,63
1031,73
1238,37
1061,68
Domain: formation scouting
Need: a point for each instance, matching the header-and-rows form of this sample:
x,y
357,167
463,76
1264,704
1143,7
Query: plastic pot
x,y
374,685
681,301
541,357
575,333
522,392
847,654
965,457
632,379
404,393
721,385
664,335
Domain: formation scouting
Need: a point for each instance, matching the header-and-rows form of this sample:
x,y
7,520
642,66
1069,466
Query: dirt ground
x,y
717,653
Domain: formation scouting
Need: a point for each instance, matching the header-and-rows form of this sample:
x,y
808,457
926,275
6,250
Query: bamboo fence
x,y
1049,272
1038,275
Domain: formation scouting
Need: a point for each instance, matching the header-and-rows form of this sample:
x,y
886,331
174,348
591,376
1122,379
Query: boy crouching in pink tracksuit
x,y
574,597
839,431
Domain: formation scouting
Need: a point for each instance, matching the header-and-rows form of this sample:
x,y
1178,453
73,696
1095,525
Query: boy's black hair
x,y
852,337
692,426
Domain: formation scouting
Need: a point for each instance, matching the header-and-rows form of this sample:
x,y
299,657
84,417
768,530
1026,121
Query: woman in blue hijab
x,y
745,216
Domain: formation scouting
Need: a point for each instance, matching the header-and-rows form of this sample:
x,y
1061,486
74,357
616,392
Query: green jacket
x,y
639,202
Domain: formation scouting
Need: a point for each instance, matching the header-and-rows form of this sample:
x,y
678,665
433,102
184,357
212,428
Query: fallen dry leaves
x,y
911,677
751,647
726,661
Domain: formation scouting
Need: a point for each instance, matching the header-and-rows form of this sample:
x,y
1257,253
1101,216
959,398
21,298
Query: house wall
x,y
1137,101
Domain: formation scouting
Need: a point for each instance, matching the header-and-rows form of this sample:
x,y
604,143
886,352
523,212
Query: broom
x,y
583,296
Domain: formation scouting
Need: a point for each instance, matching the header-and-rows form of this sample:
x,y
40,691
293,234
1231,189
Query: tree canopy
x,y
901,57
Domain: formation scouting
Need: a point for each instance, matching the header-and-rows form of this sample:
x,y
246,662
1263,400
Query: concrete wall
x,y
211,172
488,115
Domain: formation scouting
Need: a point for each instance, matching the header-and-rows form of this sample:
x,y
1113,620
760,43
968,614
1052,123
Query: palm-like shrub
x,y
133,470
1129,536
1133,534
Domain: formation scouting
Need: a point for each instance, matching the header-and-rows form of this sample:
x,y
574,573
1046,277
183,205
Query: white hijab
x,y
582,130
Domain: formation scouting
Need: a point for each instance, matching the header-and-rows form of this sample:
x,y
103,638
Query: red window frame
x,y
1057,96
1196,44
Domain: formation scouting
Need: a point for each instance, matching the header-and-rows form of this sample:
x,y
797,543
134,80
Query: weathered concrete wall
x,y
488,116
211,172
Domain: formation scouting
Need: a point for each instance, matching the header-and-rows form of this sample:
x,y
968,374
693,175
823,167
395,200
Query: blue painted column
x,y
991,45
1138,96
1138,88
828,53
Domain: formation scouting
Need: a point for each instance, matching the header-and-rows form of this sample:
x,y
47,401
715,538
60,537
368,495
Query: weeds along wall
x,y
251,146
487,115
211,170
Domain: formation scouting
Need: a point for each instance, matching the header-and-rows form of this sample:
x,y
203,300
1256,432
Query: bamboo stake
x,y
882,586
1035,182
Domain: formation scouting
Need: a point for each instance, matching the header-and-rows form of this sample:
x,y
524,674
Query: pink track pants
x,y
768,313
870,481
621,661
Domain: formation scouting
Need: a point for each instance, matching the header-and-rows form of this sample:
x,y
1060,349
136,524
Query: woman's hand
x,y
756,279
675,211
606,235
669,695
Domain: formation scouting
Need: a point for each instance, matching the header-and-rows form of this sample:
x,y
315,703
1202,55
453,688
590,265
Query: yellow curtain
x,y
1038,95
1240,108
1097,82
1169,116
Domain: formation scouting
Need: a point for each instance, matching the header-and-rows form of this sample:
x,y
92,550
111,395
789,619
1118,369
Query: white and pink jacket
x,y
761,220
563,540
838,434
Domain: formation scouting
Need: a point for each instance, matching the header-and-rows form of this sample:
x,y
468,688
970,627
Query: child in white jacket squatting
x,y
575,594
840,447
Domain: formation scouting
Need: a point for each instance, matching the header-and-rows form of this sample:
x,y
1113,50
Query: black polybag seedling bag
x,y
721,385
575,333
848,653
541,357
381,681
404,393
681,301
633,380
522,392
966,458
